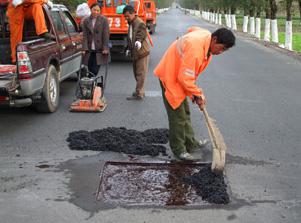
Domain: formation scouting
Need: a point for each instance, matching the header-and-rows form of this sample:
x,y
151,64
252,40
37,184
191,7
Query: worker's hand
x,y
127,53
105,52
200,101
138,45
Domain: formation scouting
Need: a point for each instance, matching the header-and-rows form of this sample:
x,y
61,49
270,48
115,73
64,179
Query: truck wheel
x,y
51,92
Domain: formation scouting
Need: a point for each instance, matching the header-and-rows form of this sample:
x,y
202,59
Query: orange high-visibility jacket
x,y
29,9
182,63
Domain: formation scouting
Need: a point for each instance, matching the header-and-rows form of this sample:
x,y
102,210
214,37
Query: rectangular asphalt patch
x,y
159,184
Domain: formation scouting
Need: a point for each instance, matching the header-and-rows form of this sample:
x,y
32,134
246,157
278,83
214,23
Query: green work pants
x,y
181,135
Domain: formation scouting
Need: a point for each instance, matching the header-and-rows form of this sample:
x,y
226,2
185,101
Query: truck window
x,y
71,26
119,2
135,4
58,23
148,5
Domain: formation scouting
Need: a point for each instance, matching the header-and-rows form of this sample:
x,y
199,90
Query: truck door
x,y
76,40
65,44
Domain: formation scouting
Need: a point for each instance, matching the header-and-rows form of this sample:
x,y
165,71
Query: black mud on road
x,y
210,186
121,140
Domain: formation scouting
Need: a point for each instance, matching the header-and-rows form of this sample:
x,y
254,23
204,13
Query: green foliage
x,y
70,4
281,27
163,3
296,40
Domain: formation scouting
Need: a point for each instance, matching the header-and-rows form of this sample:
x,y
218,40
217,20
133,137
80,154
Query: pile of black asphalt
x,y
128,141
210,186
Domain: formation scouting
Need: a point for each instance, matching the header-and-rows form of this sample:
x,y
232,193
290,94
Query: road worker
x,y
96,35
178,71
139,49
28,9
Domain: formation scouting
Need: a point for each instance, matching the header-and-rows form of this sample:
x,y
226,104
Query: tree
x,y
70,4
274,9
163,3
288,25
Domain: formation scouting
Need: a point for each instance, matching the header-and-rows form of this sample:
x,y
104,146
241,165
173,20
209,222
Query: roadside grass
x,y
281,28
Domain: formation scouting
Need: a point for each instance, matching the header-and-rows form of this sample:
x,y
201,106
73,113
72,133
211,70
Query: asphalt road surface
x,y
253,92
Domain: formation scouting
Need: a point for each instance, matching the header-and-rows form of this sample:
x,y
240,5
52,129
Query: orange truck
x,y
113,9
151,16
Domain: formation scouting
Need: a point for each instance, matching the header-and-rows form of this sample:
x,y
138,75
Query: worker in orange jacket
x,y
178,71
29,9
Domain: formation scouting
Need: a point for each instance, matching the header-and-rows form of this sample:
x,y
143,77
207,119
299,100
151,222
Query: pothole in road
x,y
128,141
152,184
161,184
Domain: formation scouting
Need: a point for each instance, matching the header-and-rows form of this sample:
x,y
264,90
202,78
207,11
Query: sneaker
x,y
185,156
201,144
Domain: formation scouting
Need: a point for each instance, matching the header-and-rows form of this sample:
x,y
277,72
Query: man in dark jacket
x,y
139,49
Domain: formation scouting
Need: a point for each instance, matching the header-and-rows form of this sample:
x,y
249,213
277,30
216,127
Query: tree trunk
x,y
288,26
289,10
233,9
246,11
267,25
268,9
252,18
273,9
246,20
233,17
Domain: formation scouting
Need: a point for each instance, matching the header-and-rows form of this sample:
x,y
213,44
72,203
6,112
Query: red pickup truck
x,y
41,64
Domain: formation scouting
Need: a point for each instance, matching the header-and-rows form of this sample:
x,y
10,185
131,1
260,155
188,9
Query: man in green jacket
x,y
139,49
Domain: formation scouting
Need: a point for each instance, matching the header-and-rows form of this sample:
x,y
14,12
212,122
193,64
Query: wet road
x,y
254,94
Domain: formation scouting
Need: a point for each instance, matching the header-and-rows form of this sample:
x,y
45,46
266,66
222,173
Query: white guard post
x,y
252,25
233,22
274,31
245,24
289,35
267,30
258,28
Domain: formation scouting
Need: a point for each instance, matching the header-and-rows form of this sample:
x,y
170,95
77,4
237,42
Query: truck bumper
x,y
31,86
118,43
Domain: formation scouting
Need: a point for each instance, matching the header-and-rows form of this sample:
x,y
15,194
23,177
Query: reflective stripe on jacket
x,y
182,63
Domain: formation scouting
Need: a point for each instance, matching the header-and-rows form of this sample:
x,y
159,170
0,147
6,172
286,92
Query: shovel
x,y
218,145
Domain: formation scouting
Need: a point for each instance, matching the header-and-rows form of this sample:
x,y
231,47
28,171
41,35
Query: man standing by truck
x,y
178,71
139,49
28,9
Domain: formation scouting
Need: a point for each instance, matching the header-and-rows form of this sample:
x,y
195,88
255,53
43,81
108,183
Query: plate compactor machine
x,y
90,91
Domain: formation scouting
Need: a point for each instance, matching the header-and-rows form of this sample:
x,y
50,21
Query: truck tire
x,y
51,92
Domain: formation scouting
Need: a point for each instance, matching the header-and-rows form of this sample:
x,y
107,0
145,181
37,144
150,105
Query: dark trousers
x,y
181,135
140,68
92,64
